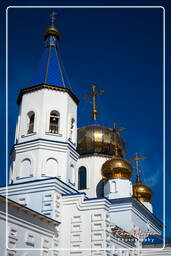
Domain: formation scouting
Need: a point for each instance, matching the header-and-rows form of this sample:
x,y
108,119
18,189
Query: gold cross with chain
x,y
93,95
137,158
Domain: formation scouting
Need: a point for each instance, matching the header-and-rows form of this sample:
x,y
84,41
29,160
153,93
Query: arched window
x,y
31,117
54,122
82,178
25,168
52,167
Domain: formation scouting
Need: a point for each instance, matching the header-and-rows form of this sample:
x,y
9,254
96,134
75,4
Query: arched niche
x,y
51,167
25,168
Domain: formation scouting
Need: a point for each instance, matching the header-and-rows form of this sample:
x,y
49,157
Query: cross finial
x,y
137,158
52,16
93,95
114,125
118,128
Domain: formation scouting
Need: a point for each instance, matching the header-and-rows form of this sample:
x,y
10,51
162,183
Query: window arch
x,y
54,121
31,119
82,178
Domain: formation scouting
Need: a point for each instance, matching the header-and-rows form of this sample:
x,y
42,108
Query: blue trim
x,y
72,194
62,142
38,180
97,198
108,153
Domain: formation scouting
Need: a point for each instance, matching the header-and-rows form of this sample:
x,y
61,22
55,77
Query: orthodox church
x,y
70,190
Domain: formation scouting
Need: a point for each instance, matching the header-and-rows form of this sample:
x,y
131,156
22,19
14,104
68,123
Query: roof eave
x,y
42,86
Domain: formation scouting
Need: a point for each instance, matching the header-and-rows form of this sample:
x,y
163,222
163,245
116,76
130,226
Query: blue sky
x,y
118,49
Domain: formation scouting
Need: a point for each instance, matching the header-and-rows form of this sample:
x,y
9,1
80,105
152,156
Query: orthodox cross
x,y
52,16
118,128
137,158
93,95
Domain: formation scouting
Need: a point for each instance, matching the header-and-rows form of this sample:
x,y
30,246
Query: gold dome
x,y
117,167
99,140
141,191
52,30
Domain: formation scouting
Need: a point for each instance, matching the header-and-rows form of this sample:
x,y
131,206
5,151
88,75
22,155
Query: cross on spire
x,y
93,95
137,158
52,16
118,128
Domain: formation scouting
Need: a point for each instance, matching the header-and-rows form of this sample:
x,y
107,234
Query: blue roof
x,y
49,70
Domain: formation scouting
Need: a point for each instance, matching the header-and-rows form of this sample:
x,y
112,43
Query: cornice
x,y
46,86
139,206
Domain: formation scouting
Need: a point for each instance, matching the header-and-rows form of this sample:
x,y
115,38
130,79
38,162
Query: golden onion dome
x,y
99,140
141,191
116,168
52,30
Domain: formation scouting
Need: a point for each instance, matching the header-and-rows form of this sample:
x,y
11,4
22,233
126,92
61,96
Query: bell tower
x,y
46,130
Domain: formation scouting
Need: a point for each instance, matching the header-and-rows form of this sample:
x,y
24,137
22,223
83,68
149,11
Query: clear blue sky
x,y
118,49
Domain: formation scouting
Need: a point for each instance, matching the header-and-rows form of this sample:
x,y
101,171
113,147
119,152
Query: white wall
x,y
42,102
129,217
118,188
60,148
42,196
93,165
85,226
25,231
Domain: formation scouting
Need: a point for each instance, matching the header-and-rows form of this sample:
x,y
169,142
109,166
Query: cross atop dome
x,y
52,30
118,129
137,158
49,69
93,95
52,16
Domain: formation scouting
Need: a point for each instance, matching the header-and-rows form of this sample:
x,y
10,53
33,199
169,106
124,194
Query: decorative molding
x,y
53,134
29,240
32,144
28,135
42,86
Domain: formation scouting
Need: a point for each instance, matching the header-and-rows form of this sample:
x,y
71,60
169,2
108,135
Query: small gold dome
x,y
117,167
141,191
99,140
52,30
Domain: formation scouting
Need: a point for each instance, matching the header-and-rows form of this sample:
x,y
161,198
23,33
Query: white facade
x,y
93,166
41,153
47,215
26,230
118,188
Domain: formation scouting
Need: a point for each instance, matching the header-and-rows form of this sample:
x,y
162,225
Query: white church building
x,y
70,190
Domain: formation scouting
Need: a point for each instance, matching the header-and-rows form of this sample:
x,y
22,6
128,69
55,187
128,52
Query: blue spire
x,y
49,70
